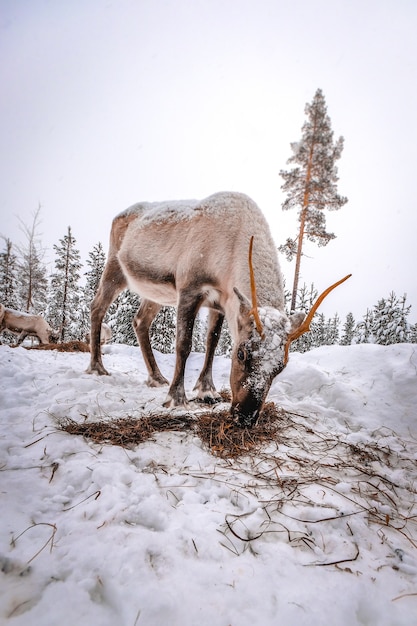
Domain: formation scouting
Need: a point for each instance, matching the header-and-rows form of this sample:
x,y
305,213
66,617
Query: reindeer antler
x,y
305,326
254,310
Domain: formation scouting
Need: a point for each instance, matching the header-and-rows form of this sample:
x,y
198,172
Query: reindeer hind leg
x,y
141,324
22,336
111,284
189,302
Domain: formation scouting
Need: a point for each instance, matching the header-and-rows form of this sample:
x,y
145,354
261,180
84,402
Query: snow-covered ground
x,y
320,527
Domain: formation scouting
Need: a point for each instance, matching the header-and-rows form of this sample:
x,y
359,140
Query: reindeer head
x,y
53,335
261,351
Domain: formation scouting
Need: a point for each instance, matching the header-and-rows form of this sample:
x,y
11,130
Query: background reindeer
x,y
192,254
105,334
25,324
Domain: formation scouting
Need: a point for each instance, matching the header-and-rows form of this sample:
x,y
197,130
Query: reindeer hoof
x,y
154,381
97,369
175,403
208,397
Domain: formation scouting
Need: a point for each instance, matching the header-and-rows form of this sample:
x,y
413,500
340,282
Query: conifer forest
x,y
64,296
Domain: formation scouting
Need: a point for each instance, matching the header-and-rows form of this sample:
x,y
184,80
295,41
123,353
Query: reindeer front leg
x,y
206,391
188,305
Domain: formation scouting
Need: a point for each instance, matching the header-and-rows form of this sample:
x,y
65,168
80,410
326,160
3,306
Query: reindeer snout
x,y
242,419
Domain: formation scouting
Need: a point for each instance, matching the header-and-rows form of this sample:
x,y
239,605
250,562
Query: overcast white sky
x,y
105,103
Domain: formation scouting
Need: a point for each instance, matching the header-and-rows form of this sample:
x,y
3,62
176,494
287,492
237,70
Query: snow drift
x,y
320,526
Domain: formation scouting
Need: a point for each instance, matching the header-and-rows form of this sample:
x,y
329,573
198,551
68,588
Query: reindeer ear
x,y
296,319
244,319
245,305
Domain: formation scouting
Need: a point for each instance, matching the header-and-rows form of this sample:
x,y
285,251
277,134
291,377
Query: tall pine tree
x,y
64,302
311,184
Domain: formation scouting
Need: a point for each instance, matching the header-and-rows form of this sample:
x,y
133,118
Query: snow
x,y
169,210
180,210
318,528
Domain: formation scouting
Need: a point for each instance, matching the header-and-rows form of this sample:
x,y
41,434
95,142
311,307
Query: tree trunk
x,y
306,200
298,262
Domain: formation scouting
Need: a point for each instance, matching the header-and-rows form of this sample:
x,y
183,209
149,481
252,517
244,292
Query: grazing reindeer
x,y
105,334
25,324
193,254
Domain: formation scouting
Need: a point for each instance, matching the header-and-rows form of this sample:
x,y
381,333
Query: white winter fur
x,y
192,254
206,238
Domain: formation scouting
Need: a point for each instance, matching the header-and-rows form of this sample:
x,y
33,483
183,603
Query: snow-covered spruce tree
x,y
33,282
120,317
9,285
64,307
304,302
348,331
412,338
331,336
311,184
96,261
199,333
363,330
318,331
390,323
162,330
224,347
9,276
324,332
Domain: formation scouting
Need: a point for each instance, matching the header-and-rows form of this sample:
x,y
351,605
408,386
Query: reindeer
x,y
194,254
25,324
105,334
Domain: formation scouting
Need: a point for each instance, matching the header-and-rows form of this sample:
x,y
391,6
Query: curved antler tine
x,y
254,310
305,326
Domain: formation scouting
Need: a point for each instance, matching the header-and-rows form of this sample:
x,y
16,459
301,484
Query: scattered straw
x,y
225,438
215,428
67,346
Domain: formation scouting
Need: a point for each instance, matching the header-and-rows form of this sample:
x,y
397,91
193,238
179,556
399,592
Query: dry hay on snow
x,y
216,429
305,478
65,346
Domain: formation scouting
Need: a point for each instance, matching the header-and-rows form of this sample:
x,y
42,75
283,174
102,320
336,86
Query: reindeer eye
x,y
240,354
